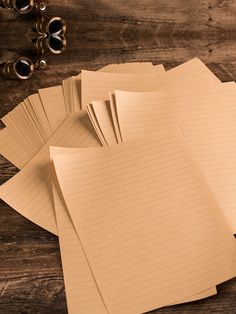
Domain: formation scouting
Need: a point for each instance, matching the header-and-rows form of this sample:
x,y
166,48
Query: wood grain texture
x,y
102,32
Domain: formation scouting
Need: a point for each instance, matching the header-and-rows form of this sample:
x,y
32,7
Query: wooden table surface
x,y
102,32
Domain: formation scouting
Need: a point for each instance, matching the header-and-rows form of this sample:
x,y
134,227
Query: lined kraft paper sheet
x,y
51,101
72,86
103,114
16,191
208,123
115,75
193,74
23,133
54,105
103,109
34,120
83,295
29,191
22,128
11,149
97,84
101,83
199,295
140,239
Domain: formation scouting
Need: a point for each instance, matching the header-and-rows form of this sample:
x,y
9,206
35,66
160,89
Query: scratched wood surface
x,y
102,32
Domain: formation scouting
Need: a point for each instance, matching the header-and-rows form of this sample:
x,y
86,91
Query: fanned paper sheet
x,y
83,295
208,123
153,104
29,191
33,121
192,76
139,239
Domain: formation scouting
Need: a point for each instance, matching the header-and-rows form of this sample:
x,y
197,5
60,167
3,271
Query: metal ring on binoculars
x,y
56,44
56,26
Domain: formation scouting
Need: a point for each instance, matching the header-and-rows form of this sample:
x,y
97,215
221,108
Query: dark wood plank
x,y
102,32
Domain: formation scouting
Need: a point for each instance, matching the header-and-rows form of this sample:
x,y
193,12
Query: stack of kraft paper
x,y
134,168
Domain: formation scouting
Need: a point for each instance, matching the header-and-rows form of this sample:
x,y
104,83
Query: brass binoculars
x,y
51,33
50,38
20,6
23,6
21,68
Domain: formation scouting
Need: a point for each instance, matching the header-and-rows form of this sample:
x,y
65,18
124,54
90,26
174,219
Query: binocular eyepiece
x,y
20,6
21,68
23,6
52,37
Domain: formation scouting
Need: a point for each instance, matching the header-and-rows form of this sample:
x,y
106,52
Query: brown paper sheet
x,y
123,218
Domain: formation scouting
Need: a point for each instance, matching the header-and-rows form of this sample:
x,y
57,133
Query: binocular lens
x,y
21,68
56,44
23,6
55,27
24,68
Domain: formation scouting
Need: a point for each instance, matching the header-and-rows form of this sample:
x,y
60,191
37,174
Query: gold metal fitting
x,y
41,64
41,6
